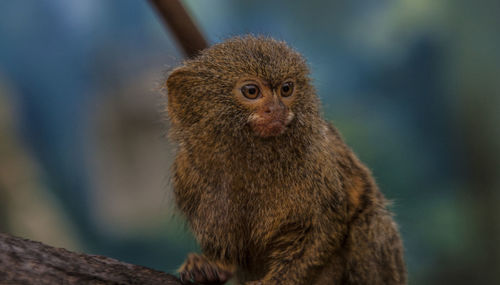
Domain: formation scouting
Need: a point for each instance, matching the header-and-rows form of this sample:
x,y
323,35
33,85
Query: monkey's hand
x,y
201,270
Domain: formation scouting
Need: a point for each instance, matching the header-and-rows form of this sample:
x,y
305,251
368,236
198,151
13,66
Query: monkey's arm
x,y
300,255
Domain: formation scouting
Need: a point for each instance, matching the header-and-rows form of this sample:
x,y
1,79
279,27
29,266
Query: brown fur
x,y
295,208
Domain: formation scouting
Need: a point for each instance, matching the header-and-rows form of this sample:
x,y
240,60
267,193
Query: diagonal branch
x,y
27,262
182,26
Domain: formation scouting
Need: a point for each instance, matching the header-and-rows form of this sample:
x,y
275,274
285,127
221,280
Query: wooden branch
x,y
182,26
27,262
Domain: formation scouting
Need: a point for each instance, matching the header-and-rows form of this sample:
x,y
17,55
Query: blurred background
x,y
413,85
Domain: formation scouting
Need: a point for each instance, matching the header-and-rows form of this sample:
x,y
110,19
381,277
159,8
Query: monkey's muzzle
x,y
270,125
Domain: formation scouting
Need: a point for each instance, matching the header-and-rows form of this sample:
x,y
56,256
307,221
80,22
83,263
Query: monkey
x,y
270,190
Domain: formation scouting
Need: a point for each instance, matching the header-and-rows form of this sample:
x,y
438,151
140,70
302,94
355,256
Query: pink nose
x,y
274,107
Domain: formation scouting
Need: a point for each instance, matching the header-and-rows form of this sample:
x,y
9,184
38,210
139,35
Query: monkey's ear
x,y
177,86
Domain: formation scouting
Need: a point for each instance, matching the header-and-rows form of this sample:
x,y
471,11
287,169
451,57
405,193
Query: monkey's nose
x,y
274,107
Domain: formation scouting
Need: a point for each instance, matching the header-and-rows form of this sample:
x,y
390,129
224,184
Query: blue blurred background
x,y
413,85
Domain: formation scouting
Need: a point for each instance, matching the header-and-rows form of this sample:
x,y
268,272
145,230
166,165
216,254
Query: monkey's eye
x,y
251,91
287,89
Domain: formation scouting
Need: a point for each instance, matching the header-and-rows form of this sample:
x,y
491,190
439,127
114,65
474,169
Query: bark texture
x,y
28,262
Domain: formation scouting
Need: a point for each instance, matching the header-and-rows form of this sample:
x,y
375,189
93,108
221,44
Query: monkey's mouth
x,y
269,129
270,126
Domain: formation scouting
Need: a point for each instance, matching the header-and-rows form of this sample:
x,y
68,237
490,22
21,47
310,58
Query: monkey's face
x,y
244,88
269,106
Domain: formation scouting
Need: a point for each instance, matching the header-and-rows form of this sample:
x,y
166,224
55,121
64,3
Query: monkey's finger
x,y
210,273
223,275
184,276
198,275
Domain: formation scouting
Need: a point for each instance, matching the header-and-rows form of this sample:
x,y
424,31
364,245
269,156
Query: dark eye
x,y
251,91
287,89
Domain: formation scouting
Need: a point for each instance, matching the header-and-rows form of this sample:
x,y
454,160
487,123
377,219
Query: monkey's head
x,y
246,86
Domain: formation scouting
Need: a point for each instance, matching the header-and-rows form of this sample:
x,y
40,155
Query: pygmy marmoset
x,y
270,190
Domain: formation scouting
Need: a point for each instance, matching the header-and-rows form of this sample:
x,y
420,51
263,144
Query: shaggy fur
x,y
296,208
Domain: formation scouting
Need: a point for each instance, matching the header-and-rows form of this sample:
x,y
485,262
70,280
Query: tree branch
x,y
182,26
27,262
